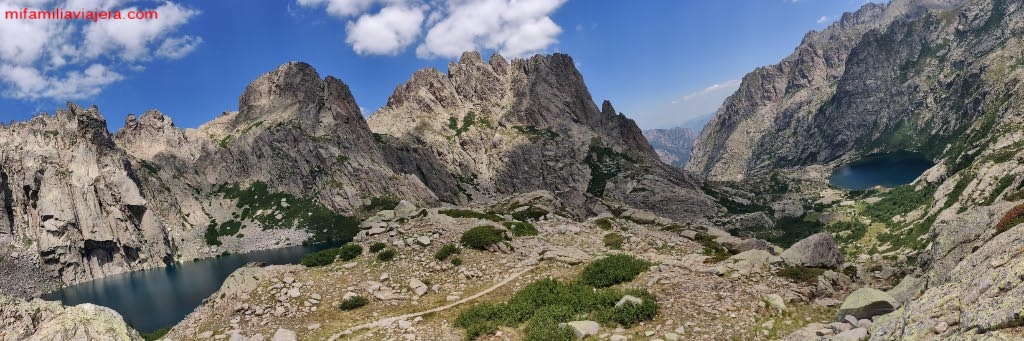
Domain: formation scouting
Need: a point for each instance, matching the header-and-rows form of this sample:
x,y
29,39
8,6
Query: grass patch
x,y
353,302
481,237
604,223
613,241
446,251
456,261
612,270
461,213
521,228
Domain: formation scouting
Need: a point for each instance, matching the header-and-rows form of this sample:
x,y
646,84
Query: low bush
x,y
712,249
456,261
613,240
1011,218
801,274
353,302
630,314
521,229
545,303
613,270
603,223
386,255
376,247
460,213
445,251
481,237
320,258
349,251
529,213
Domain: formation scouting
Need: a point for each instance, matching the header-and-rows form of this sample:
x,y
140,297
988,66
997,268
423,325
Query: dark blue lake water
x,y
886,170
157,298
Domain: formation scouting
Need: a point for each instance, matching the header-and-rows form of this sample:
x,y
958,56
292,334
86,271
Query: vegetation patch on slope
x,y
282,210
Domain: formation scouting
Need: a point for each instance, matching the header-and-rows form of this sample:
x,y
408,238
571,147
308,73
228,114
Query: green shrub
x,y
321,258
530,213
156,334
629,314
376,247
801,274
481,237
456,261
712,249
613,240
380,203
604,223
545,303
350,251
544,324
300,212
460,213
445,251
211,236
353,302
898,201
613,270
386,255
521,229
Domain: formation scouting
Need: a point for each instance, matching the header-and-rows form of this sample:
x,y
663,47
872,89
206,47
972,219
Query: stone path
x,y
388,321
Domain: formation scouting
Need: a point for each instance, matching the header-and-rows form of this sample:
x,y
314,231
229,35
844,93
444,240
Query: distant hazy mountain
x,y
673,145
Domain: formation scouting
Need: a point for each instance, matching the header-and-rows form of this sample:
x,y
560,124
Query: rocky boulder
x,y
819,250
43,320
865,303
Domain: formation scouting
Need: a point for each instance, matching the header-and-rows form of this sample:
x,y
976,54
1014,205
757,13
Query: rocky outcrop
x,y
818,250
74,199
49,321
489,129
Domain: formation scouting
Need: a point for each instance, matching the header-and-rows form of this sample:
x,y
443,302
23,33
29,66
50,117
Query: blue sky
x,y
661,62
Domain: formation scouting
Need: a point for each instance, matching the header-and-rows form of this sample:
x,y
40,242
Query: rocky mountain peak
x,y
294,91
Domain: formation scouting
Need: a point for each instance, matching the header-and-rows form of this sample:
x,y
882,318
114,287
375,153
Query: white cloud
x,y
823,19
132,38
727,86
387,32
176,48
62,60
29,83
512,27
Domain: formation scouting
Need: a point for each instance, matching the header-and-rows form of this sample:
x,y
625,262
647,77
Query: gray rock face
x,y
73,202
850,86
49,321
865,303
489,129
818,250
